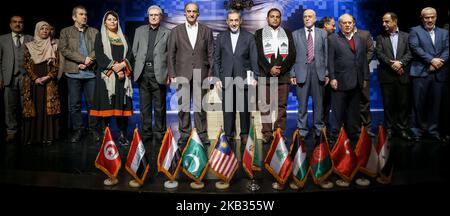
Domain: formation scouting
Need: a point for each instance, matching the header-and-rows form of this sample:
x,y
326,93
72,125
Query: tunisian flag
x,y
345,162
367,155
108,158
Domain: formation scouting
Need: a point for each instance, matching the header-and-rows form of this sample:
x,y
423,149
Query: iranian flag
x,y
321,164
278,162
367,155
300,167
252,161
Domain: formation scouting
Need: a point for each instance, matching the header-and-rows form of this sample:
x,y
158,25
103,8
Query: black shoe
x,y
437,138
267,140
370,133
405,136
47,143
389,134
95,136
76,136
123,140
416,138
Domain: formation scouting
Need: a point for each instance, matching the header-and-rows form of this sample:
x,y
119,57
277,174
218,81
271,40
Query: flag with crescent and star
x,y
108,158
194,159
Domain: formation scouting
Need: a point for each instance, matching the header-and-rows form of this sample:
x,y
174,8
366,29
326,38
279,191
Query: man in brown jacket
x,y
190,61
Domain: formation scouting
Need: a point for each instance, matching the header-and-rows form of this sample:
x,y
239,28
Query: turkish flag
x,y
108,158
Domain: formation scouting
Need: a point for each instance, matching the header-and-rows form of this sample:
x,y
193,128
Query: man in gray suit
x,y
235,54
150,47
11,64
309,72
191,49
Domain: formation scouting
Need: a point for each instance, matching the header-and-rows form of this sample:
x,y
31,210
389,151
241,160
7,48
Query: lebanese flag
x,y
385,164
300,167
108,158
137,162
367,155
251,161
278,162
320,162
169,157
345,162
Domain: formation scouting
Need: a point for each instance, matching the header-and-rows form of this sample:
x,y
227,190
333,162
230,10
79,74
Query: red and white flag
x,y
345,162
222,159
385,165
367,155
278,161
108,158
137,162
169,157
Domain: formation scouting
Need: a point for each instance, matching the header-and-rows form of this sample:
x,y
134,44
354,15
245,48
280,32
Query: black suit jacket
x,y
286,65
245,56
348,67
385,54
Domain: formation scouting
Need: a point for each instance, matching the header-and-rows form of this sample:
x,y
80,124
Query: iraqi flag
x,y
367,155
252,159
169,157
137,161
278,162
300,167
320,162
345,162
108,158
194,159
385,165
222,160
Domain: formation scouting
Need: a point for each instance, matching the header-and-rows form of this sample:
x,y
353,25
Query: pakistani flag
x,y
321,164
252,160
195,160
300,164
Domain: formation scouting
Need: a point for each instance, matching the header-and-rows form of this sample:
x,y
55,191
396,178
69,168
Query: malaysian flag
x,y
223,161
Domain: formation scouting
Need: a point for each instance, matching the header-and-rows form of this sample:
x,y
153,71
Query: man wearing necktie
x,y
11,66
309,73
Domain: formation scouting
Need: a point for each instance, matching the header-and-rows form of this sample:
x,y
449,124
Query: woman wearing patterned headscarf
x,y
113,93
41,104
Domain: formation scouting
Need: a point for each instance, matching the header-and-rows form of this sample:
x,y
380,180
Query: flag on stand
x,y
222,160
321,163
345,162
137,161
300,167
278,162
169,157
108,158
251,161
385,165
367,155
195,160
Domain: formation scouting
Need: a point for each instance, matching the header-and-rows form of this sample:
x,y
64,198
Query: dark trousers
x,y
364,104
427,97
231,104
396,105
152,97
13,103
75,88
326,104
345,106
280,122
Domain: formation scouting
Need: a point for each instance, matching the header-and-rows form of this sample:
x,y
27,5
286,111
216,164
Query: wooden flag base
x,y
221,185
110,181
326,185
277,186
363,182
342,183
382,181
134,184
197,186
170,184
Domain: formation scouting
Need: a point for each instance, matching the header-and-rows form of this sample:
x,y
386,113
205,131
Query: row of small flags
x,y
280,161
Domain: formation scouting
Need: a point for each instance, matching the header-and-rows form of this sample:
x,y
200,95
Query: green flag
x,y
195,160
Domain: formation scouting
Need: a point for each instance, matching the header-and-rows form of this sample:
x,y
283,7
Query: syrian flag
x,y
320,162
278,162
367,155
137,162
169,156
195,160
345,162
385,164
252,159
300,167
108,158
222,160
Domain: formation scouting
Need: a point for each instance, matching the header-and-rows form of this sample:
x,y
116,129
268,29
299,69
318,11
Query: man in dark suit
x,y
150,47
191,50
11,74
429,71
235,54
309,72
364,104
276,55
395,57
349,73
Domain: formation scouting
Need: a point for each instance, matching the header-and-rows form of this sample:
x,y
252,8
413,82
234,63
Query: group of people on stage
x,y
332,68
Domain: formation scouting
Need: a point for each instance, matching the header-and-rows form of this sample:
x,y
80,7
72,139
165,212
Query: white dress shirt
x,y
15,39
234,39
312,34
192,31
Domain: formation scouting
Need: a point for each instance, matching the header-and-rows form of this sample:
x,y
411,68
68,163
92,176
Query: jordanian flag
x,y
252,159
385,165
195,160
278,162
169,157
300,168
321,164
367,155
